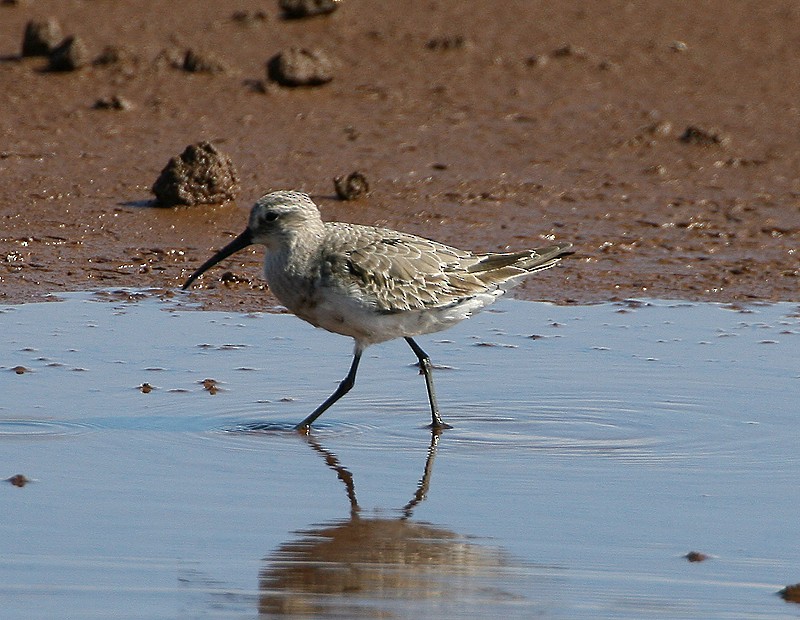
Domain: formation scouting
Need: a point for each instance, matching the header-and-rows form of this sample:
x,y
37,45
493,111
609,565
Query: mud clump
x,y
119,58
351,187
18,480
202,62
70,55
791,593
210,385
298,9
704,137
200,175
41,37
445,44
300,67
248,18
114,102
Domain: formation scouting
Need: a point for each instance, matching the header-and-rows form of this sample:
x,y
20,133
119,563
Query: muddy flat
x,y
660,138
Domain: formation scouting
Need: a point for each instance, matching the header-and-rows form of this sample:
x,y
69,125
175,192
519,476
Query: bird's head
x,y
275,219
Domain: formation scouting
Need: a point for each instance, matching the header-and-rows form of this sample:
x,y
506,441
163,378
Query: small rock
x,y
297,9
171,57
678,46
536,60
20,370
791,593
351,187
210,386
116,55
608,65
568,50
444,44
231,278
300,67
18,480
703,137
201,175
146,388
696,556
249,18
351,133
70,55
41,37
115,102
202,62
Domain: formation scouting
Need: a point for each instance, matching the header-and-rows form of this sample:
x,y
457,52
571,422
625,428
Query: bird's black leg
x,y
344,387
426,368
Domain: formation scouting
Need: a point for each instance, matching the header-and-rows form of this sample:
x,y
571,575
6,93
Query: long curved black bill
x,y
240,243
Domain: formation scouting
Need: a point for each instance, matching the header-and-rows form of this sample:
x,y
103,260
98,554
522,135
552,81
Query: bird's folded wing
x,y
396,272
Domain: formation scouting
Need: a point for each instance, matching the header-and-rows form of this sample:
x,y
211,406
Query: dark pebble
x,y
444,44
115,102
18,480
70,55
202,62
351,187
300,67
248,18
116,55
297,9
201,175
703,137
41,37
791,593
696,556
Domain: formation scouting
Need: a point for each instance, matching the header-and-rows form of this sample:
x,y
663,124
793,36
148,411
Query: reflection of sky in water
x,y
584,462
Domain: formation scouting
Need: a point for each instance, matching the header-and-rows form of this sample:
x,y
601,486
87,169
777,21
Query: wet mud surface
x,y
662,139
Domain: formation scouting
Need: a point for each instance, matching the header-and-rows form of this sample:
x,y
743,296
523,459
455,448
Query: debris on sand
x,y
351,187
298,9
200,175
18,480
70,55
248,18
41,37
446,43
704,137
696,556
791,594
202,62
114,102
300,67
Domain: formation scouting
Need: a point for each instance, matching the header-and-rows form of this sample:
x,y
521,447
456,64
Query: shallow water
x,y
592,448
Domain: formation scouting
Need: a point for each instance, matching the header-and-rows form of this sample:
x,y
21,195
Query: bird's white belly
x,y
347,316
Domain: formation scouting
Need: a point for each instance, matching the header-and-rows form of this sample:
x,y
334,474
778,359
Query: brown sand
x,y
484,124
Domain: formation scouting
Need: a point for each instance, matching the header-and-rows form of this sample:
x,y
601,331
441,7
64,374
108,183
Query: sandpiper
x,y
373,284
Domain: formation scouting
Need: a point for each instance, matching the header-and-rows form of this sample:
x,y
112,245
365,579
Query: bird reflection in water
x,y
377,567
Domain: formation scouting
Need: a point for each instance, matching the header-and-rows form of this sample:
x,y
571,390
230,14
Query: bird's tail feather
x,y
501,267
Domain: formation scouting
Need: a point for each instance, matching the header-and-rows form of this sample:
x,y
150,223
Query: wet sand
x,y
498,127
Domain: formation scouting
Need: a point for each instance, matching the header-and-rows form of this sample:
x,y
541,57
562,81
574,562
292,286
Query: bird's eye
x,y
270,216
